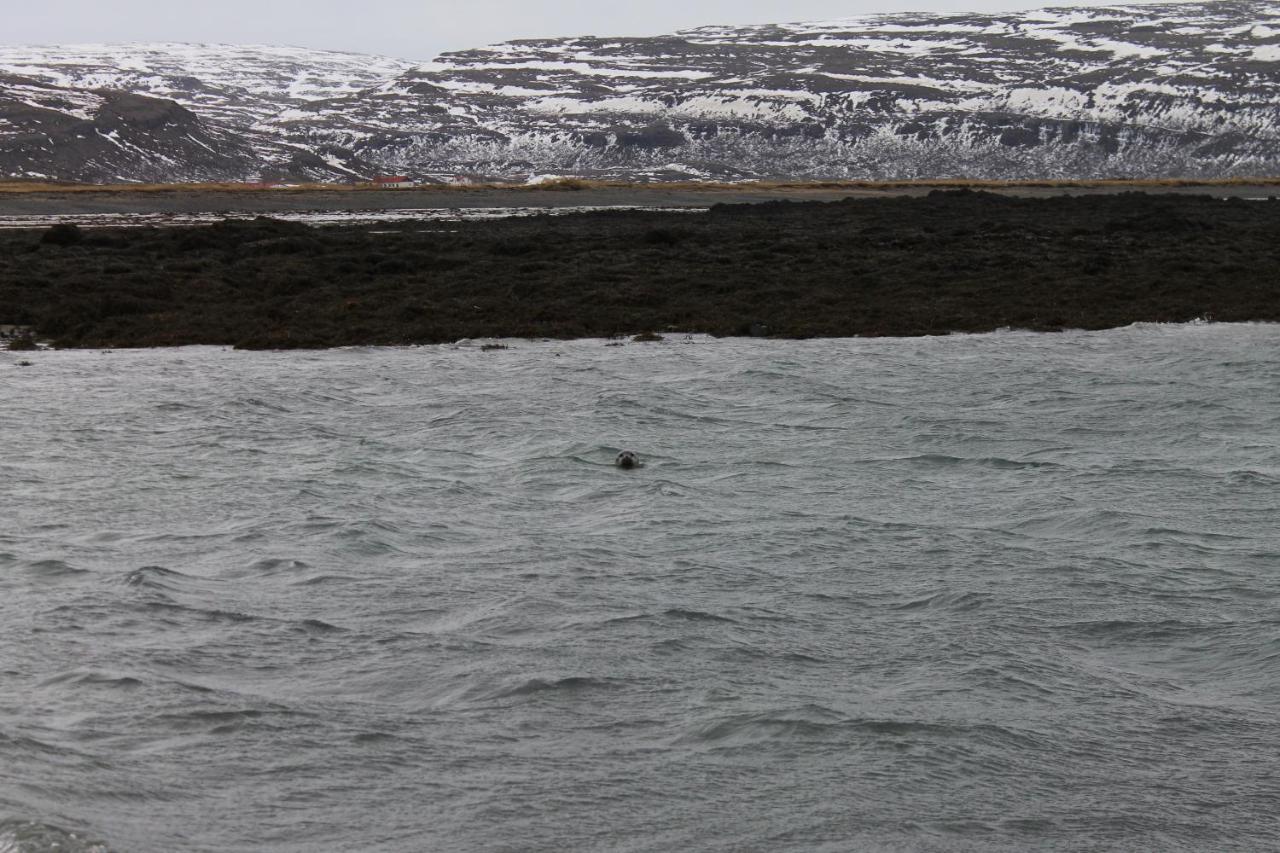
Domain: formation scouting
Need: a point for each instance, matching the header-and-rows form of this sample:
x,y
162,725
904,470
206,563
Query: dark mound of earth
x,y
949,262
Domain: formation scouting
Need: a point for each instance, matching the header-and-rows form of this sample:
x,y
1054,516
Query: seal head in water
x,y
627,460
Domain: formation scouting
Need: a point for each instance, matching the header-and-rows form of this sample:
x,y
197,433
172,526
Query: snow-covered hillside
x,y
1155,90
231,89
235,84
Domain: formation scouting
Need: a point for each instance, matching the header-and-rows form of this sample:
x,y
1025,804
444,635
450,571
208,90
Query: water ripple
x,y
996,592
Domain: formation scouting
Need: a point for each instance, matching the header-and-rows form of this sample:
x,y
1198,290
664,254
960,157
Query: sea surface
x,y
1000,592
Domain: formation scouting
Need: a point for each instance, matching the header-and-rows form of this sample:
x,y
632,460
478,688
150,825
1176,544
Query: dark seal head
x,y
627,460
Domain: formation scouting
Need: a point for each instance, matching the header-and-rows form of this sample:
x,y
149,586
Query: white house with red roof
x,y
393,182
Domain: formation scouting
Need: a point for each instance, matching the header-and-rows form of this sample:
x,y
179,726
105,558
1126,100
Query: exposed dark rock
x,y
952,261
63,234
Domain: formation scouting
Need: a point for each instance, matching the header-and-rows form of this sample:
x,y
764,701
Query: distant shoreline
x,y
586,184
951,261
49,199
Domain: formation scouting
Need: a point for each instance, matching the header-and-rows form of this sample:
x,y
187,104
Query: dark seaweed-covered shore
x,y
947,262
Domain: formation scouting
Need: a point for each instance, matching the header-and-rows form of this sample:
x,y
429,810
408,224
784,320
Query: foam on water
x,y
997,592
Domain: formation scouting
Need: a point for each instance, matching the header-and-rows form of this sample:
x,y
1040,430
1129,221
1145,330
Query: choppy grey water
x,y
998,592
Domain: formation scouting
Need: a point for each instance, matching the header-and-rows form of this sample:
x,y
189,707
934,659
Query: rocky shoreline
x,y
72,201
948,261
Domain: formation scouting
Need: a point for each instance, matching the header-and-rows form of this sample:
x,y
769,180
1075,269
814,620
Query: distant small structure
x,y
393,182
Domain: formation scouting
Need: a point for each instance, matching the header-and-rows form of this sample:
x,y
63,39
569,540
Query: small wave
x,y
805,722
801,657
571,684
1130,630
674,613
215,717
323,580
1252,478
1199,534
952,601
695,615
1036,827
1165,539
470,689
678,416
997,462
54,569
224,721
16,744
21,836
1006,683
93,678
201,613
816,723
256,403
1073,524
375,737
317,626
276,566
310,627
154,577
